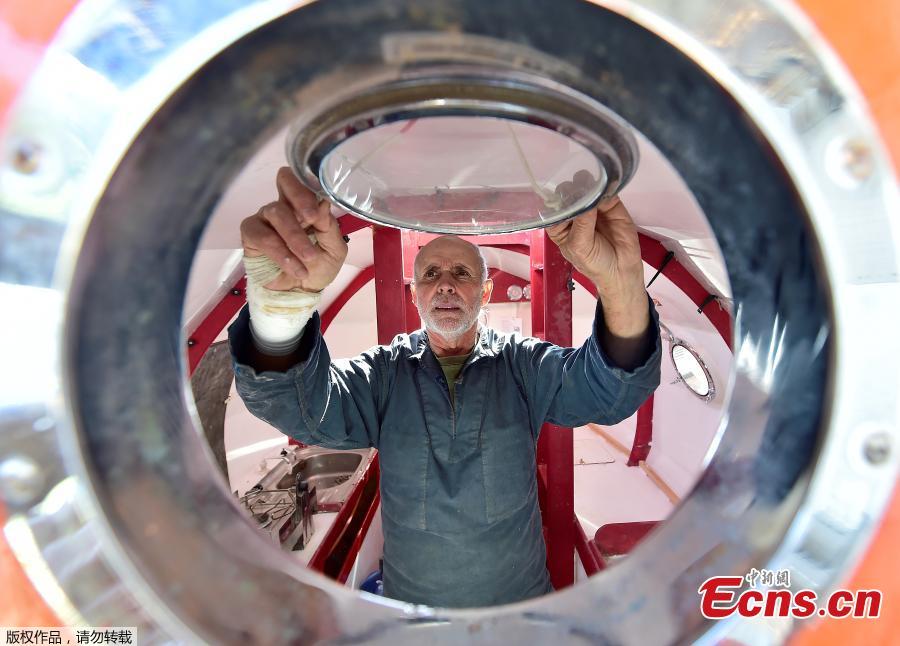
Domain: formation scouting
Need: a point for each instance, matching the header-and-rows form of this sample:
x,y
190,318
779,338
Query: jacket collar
x,y
487,345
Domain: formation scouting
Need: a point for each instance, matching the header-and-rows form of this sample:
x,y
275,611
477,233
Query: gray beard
x,y
452,332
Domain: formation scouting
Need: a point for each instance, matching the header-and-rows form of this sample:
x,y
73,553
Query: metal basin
x,y
323,470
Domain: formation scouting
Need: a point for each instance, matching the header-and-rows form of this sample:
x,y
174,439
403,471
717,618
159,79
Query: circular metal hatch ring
x,y
827,149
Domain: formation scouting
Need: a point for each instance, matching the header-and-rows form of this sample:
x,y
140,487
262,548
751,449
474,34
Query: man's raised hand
x,y
603,244
281,231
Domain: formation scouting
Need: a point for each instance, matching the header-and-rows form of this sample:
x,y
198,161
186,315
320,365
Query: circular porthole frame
x,y
803,108
711,393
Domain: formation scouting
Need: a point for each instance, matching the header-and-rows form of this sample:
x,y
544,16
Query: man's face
x,y
448,289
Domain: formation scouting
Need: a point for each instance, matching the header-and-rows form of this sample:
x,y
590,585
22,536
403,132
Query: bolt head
x,y
849,161
26,157
877,447
21,480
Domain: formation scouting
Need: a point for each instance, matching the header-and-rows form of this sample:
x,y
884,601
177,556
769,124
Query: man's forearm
x,y
626,338
278,363
248,353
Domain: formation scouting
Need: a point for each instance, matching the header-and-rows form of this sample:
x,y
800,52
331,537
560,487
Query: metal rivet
x,y
850,162
21,480
191,343
43,424
236,292
26,157
877,447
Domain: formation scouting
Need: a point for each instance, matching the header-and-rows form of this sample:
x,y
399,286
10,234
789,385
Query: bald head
x,y
450,246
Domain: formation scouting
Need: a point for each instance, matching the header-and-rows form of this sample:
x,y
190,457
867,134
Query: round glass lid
x,y
463,175
462,150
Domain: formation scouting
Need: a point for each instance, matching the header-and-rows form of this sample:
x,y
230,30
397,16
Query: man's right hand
x,y
280,231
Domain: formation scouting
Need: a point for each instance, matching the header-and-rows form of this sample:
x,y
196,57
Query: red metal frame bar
x,y
363,277
344,522
614,539
536,275
590,556
654,253
350,223
551,313
209,328
360,537
391,295
643,433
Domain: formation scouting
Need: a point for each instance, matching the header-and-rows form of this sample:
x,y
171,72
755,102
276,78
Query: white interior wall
x,y
353,330
684,425
613,492
213,273
501,315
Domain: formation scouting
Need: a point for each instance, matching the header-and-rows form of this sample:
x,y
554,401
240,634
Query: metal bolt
x,y
877,447
43,424
21,480
857,160
27,157
849,162
191,343
236,292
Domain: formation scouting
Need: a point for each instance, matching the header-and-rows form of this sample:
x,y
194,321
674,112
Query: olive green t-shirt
x,y
451,367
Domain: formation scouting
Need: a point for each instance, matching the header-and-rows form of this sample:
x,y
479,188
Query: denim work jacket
x,y
462,526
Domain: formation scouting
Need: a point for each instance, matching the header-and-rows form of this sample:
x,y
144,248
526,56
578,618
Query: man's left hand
x,y
603,245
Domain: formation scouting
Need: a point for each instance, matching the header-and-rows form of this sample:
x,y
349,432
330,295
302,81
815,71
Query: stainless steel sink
x,y
323,470
333,473
274,500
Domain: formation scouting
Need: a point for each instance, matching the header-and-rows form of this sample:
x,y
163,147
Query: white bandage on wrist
x,y
277,318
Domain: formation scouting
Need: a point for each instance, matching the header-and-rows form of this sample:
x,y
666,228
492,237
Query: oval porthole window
x,y
692,371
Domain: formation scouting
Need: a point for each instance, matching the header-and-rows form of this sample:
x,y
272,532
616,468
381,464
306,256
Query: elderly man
x,y
454,409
